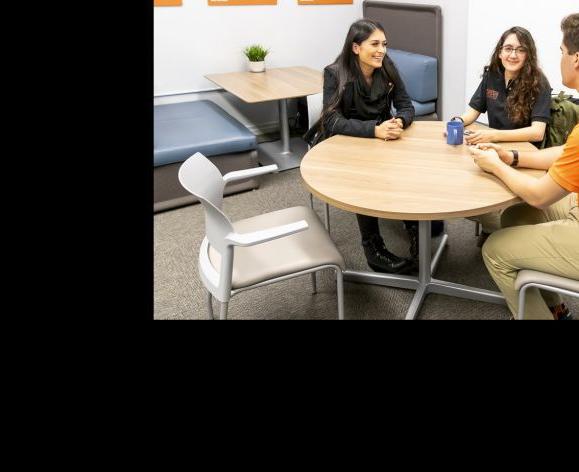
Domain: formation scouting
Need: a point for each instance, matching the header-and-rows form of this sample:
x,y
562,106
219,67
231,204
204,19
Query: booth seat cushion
x,y
422,109
182,129
419,74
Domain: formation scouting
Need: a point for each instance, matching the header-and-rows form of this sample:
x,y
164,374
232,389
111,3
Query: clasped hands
x,y
489,155
389,130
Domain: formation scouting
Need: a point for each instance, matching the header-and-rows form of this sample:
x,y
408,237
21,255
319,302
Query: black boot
x,y
381,259
436,228
483,236
413,237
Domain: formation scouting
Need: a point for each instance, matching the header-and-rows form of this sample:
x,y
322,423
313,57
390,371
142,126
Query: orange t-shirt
x,y
565,170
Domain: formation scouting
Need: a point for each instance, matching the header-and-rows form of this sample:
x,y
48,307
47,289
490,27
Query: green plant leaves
x,y
255,52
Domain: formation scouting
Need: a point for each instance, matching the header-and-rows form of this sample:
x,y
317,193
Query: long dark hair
x,y
531,80
348,67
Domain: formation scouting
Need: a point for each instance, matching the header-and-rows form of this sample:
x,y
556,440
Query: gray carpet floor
x,y
179,293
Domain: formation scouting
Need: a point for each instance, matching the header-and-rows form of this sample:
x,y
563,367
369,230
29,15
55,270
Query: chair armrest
x,y
263,236
248,173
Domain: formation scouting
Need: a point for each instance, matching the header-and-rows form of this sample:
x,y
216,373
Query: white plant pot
x,y
257,66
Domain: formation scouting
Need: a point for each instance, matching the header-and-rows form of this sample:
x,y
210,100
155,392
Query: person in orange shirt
x,y
543,233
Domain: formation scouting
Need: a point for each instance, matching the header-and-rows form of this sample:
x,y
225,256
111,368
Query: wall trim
x,y
187,92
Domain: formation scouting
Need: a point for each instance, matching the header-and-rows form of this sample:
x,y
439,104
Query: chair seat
x,y
310,248
532,276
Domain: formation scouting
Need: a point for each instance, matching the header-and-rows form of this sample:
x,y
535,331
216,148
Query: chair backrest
x,y
199,176
419,74
315,105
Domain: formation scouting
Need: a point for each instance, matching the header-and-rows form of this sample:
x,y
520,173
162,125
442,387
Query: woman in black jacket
x,y
360,88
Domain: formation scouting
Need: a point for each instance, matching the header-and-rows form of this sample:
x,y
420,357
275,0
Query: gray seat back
x,y
315,105
425,37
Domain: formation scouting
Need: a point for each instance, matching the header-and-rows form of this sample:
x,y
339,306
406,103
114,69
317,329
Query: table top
x,y
418,177
273,84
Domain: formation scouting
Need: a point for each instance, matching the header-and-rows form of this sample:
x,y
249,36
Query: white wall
x,y
488,19
297,35
195,39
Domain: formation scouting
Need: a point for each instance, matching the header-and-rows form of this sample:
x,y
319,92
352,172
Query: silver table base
x,y
286,153
273,153
424,283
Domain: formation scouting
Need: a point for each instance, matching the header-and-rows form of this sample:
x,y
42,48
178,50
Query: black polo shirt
x,y
494,100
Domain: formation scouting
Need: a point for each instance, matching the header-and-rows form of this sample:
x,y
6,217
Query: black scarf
x,y
371,103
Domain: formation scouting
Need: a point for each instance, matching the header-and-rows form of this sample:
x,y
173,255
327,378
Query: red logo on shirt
x,y
492,94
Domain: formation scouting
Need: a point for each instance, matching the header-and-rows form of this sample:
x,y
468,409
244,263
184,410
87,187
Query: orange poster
x,y
323,2
168,3
224,3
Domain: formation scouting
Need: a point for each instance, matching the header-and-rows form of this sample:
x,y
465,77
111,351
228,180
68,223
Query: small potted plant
x,y
256,55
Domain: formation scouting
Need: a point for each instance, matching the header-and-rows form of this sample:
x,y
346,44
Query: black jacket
x,y
347,121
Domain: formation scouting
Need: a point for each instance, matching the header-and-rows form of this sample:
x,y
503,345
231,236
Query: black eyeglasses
x,y
518,51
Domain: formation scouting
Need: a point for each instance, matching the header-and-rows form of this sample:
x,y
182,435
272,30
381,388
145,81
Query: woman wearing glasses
x,y
514,92
516,95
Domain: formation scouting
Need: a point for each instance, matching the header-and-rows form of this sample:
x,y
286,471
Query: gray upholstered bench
x,y
181,130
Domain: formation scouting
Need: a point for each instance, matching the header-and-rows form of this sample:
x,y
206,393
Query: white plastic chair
x,y
553,283
256,251
315,106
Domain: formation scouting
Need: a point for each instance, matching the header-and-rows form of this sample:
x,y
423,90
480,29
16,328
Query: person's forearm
x,y
520,184
541,159
470,116
522,134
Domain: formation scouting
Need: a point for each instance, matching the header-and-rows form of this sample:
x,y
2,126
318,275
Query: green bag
x,y
564,117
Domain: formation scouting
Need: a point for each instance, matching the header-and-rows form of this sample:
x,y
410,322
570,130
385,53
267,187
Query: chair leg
x,y
522,293
340,291
477,229
223,310
210,305
326,212
314,283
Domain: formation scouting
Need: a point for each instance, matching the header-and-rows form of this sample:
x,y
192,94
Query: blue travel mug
x,y
455,132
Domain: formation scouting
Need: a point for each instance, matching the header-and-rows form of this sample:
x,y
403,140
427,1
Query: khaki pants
x,y
542,240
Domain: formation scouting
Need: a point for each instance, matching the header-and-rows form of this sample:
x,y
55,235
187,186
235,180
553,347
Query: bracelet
x,y
515,162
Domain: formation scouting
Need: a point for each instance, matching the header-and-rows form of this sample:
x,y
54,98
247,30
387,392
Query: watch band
x,y
515,162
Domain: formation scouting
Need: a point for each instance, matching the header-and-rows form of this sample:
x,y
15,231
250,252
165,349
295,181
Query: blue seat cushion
x,y
182,129
422,109
419,74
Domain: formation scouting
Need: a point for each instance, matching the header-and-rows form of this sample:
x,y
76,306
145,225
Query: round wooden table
x,y
418,177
